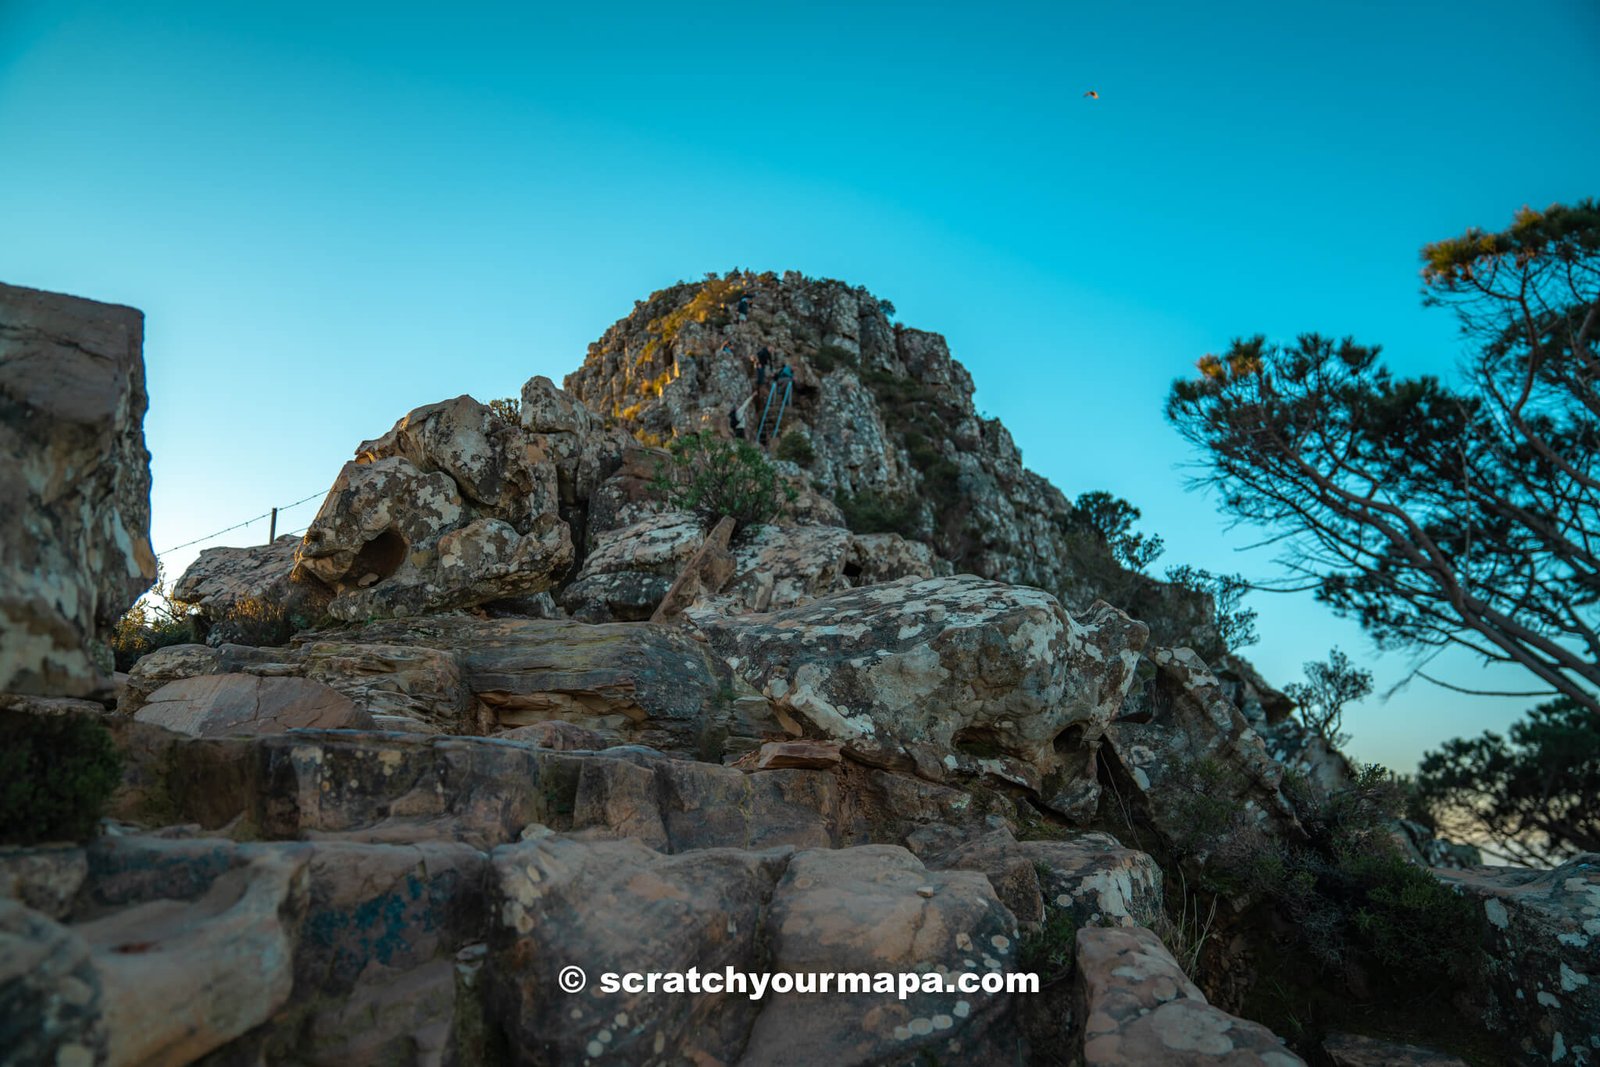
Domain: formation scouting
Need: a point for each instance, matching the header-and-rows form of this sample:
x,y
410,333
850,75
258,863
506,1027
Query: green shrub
x,y
507,409
1049,951
869,512
155,621
795,447
829,358
56,774
715,477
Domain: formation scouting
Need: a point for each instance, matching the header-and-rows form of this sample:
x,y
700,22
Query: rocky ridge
x,y
547,722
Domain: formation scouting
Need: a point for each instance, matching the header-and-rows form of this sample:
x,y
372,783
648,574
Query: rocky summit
x,y
858,694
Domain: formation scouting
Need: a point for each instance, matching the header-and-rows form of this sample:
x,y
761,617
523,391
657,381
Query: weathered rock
x,y
75,477
617,907
778,567
703,576
50,996
453,507
1356,1050
1542,955
500,472
630,568
889,415
877,910
45,879
776,755
395,788
460,674
403,687
559,736
222,578
1139,1008
910,672
222,705
885,557
179,979
1179,738
1089,876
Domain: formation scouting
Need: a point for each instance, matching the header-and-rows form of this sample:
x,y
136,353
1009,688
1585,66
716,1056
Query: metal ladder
x,y
783,405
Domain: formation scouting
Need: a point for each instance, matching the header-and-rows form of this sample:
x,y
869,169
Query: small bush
x,y
56,774
830,358
1050,951
714,477
155,621
795,447
507,409
253,621
870,512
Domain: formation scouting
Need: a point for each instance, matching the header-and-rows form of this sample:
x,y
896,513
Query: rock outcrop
x,y
1140,1008
543,721
75,477
888,415
1543,955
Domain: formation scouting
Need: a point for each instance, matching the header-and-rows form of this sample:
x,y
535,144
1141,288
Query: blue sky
x,y
333,213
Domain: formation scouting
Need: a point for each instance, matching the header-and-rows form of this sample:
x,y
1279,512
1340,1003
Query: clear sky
x,y
332,213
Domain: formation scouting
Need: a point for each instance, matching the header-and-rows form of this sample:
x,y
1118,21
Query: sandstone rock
x,y
778,567
1139,1007
889,413
776,755
1355,1050
224,704
558,736
403,687
459,674
75,475
630,569
179,979
50,996
912,671
868,910
618,907
1542,955
1089,876
221,578
703,575
500,472
885,557
45,879
453,507
1179,737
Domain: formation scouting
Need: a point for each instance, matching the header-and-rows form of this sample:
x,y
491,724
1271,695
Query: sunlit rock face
x,y
888,415
74,486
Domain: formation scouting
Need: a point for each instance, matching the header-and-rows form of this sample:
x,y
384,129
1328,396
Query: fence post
x,y
272,530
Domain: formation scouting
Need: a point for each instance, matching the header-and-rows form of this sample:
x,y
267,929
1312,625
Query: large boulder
x,y
221,705
1140,1008
941,674
222,580
453,507
75,477
461,674
615,908
1542,954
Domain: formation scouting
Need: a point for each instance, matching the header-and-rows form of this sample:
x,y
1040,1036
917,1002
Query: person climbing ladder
x,y
763,360
782,389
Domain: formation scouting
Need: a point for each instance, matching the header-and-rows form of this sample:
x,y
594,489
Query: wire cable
x,y
241,525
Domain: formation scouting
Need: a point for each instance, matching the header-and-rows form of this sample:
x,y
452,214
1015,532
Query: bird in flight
x,y
1092,95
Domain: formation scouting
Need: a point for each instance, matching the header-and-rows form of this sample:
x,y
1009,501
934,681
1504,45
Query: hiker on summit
x,y
763,360
726,351
744,307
